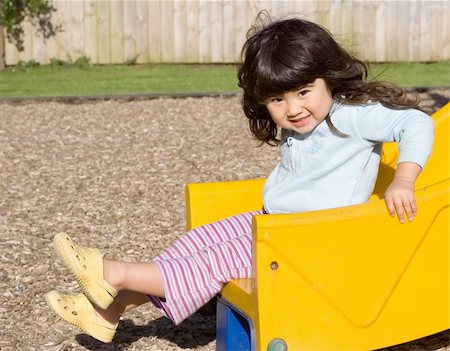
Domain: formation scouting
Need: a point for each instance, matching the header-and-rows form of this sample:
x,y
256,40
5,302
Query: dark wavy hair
x,y
283,55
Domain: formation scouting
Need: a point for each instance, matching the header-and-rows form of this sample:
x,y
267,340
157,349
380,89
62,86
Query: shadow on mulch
x,y
431,99
439,100
429,343
161,328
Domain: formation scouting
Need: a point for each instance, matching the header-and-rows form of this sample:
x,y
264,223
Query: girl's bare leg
x,y
123,302
141,277
134,281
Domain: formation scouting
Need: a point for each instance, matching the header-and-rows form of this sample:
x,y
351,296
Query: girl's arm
x,y
413,130
399,196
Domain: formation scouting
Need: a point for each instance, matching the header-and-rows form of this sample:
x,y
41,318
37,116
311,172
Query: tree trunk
x,y
2,48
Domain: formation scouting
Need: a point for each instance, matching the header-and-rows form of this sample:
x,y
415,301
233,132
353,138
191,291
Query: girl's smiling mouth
x,y
299,122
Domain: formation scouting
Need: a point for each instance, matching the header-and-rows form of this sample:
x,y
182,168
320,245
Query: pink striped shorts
x,y
196,266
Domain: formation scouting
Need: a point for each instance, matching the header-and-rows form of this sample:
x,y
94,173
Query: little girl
x,y
302,91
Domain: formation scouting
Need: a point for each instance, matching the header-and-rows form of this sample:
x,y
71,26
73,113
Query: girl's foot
x,y
78,311
86,265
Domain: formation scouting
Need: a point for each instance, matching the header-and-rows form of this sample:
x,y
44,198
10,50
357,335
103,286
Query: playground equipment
x,y
350,278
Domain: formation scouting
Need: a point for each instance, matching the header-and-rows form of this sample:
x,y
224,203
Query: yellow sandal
x,y
86,265
78,311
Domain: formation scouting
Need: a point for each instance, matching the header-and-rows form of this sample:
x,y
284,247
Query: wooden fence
x,y
202,31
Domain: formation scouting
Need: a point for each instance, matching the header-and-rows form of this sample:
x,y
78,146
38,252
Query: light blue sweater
x,y
320,170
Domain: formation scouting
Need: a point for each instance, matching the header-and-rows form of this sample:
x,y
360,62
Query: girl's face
x,y
301,110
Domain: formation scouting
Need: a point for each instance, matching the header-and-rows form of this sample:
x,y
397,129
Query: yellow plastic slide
x,y
351,278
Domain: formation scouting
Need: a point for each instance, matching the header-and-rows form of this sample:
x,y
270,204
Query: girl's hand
x,y
399,196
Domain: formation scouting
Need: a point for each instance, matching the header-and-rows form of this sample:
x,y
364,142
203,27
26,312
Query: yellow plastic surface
x,y
209,202
351,278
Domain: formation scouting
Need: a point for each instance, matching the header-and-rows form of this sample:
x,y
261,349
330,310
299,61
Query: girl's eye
x,y
303,92
274,99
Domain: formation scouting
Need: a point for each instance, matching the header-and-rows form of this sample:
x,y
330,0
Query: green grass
x,y
413,74
80,80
